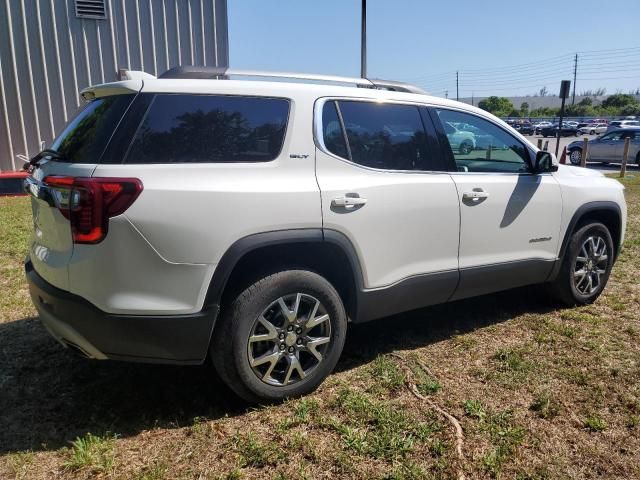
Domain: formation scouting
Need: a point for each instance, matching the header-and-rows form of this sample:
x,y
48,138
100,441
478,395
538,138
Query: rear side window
x,y
385,136
181,128
86,136
380,135
332,131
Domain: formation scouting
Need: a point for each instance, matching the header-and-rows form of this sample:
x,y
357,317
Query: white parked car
x,y
189,217
594,129
460,140
540,125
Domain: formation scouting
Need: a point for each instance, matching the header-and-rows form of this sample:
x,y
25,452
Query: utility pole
x,y
446,94
457,91
472,104
575,73
363,40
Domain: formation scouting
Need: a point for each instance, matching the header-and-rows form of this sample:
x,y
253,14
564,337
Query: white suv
x,y
192,214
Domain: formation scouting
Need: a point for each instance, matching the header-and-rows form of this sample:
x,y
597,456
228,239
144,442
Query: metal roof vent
x,y
91,9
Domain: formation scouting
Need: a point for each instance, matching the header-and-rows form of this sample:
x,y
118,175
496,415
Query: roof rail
x,y
222,73
396,86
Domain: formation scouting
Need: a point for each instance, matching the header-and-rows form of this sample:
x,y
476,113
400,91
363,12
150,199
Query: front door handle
x,y
476,195
348,201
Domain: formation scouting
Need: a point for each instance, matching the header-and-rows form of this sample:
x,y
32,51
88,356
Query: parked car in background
x,y
540,125
565,131
571,123
593,128
460,140
609,147
623,124
525,128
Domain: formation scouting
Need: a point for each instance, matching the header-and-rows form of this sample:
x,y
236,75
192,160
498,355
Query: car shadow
x,y
49,396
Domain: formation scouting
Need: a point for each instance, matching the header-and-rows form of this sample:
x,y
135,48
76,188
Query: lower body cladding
x,y
184,338
76,323
431,289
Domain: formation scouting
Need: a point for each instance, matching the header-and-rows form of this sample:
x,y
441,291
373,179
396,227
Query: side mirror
x,y
545,162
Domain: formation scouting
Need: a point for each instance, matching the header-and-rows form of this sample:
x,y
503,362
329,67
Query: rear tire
x,y
586,266
267,345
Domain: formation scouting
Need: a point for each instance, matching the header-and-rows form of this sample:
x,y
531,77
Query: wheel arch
x,y
606,212
328,253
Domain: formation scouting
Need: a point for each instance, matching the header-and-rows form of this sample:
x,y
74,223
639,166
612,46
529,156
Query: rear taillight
x,y
89,203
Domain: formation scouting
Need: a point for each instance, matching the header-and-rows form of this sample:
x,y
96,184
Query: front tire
x,y
586,266
280,337
575,156
465,148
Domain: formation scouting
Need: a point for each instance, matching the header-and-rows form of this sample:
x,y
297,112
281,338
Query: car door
x,y
632,136
380,190
605,148
509,217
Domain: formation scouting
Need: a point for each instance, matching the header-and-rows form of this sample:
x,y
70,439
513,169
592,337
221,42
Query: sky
x,y
499,47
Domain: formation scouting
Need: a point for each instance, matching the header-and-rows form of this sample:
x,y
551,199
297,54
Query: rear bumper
x,y
76,323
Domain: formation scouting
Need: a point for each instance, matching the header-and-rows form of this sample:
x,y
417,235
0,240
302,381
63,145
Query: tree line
x,y
620,104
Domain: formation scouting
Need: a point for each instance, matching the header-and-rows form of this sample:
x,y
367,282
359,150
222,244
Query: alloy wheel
x,y
590,265
575,157
289,339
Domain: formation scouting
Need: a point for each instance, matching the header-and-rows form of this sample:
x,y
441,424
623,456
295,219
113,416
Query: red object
x,y
563,157
89,203
11,183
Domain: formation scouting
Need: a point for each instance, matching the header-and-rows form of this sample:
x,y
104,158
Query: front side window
x,y
478,145
379,135
181,128
612,137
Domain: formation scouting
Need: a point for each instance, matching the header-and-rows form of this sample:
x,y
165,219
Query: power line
x,y
522,76
608,50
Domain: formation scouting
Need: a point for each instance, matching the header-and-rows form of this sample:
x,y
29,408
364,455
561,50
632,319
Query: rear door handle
x,y
348,201
476,194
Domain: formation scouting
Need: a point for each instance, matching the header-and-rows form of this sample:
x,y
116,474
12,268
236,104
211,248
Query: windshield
x,y
86,136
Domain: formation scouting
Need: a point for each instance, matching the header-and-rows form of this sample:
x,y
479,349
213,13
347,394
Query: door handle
x,y
475,195
348,201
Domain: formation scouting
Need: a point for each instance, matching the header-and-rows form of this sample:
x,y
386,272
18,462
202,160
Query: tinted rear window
x,y
210,128
86,136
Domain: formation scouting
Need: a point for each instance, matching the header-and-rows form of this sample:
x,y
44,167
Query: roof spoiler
x,y
131,81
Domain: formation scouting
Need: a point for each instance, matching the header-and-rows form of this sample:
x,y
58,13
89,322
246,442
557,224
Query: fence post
x,y
585,152
539,144
625,154
546,146
488,156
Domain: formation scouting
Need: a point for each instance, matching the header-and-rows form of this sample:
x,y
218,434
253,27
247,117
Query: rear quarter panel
x,y
192,213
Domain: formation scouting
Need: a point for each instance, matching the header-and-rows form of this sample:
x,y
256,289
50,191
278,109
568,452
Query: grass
x,y
595,423
545,405
540,392
91,452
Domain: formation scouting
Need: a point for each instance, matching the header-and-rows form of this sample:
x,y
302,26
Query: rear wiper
x,y
35,160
